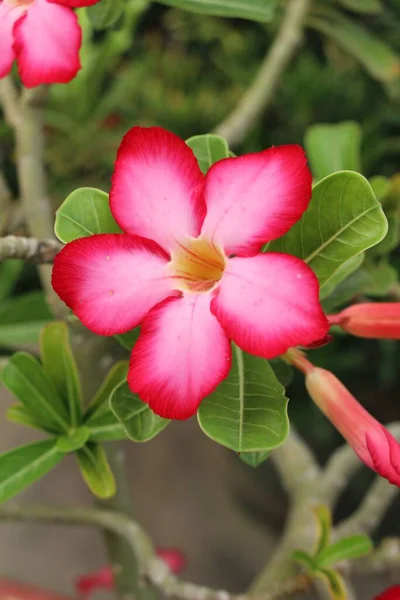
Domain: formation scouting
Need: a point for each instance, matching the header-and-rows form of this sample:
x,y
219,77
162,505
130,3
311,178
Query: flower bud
x,y
174,559
370,320
373,444
392,593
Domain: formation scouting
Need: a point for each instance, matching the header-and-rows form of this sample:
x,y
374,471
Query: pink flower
x,y
374,445
392,593
189,269
43,36
370,320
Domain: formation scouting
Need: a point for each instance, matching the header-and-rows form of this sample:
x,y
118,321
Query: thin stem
x,y
260,94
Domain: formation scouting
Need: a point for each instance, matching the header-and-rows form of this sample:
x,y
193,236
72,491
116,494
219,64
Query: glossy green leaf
x,y
208,149
100,401
391,239
283,371
324,523
22,466
74,440
60,368
375,56
332,148
368,7
96,471
17,413
24,377
128,339
345,270
343,219
254,10
22,318
334,583
346,549
248,411
106,428
254,459
105,13
139,421
86,211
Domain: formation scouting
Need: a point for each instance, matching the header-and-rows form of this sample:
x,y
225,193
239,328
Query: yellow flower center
x,y
197,265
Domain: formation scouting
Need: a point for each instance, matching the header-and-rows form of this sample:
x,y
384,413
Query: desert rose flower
x,y
189,269
370,320
43,36
392,593
374,445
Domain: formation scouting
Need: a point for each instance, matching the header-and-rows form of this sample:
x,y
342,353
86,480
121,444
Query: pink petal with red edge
x,y
157,187
47,42
75,3
269,303
9,15
182,354
111,281
255,198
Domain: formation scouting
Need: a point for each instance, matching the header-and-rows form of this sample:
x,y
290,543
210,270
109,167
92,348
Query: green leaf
x,y
381,186
254,10
342,220
369,7
324,523
344,271
100,402
106,428
22,318
346,549
332,148
128,339
305,559
22,466
75,440
105,13
375,56
138,420
208,149
96,471
86,211
391,240
20,415
248,411
60,368
24,377
254,459
283,371
334,583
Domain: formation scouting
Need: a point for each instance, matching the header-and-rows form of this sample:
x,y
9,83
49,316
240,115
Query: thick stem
x,y
260,94
29,249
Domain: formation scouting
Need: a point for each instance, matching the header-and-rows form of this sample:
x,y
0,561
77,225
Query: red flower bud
x,y
370,320
374,445
174,558
392,593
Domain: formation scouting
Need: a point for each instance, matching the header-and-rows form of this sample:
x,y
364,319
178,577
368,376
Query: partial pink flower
x,y
379,320
188,268
392,593
103,579
43,36
371,441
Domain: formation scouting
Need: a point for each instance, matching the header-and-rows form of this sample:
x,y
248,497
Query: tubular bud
x,y
373,444
370,320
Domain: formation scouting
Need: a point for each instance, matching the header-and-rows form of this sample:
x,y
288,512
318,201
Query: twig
x,y
259,95
29,249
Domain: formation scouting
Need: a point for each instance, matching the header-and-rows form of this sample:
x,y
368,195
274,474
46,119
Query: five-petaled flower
x,y
371,441
43,36
189,269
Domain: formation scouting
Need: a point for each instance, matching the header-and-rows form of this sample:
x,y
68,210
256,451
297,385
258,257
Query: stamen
x,y
197,265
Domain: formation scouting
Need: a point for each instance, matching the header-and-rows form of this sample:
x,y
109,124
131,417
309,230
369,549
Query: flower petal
x,y
182,354
157,187
269,303
75,3
9,15
47,42
111,281
255,198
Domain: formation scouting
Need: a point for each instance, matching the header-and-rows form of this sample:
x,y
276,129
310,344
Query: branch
x,y
259,95
29,249
151,568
